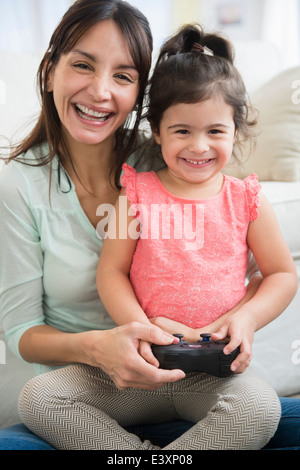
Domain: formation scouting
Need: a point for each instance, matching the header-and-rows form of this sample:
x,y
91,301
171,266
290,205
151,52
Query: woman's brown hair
x,y
80,17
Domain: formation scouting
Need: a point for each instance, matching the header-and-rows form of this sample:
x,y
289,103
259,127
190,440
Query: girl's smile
x,y
196,142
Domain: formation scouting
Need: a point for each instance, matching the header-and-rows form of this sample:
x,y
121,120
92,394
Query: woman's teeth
x,y
89,114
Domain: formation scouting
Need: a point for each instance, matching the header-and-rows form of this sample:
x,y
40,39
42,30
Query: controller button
x,y
206,337
177,335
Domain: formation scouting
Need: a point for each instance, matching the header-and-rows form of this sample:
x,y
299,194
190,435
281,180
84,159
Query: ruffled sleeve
x,y
128,181
252,191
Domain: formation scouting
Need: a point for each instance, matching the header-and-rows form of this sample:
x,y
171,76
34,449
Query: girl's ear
x,y
156,137
155,134
235,135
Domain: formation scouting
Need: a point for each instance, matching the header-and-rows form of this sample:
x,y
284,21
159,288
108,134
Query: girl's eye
x,y
182,131
215,131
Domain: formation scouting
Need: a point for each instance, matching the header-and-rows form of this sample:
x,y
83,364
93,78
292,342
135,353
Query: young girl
x,y
189,271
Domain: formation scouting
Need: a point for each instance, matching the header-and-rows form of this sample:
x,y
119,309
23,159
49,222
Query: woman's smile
x,y
90,114
95,89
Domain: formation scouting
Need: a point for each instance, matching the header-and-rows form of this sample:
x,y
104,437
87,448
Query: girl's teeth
x,y
196,163
89,114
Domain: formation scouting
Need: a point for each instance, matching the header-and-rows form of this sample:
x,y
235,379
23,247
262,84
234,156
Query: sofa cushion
x,y
276,348
285,199
14,375
277,153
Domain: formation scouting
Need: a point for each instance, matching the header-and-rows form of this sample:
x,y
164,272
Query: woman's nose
x,y
101,88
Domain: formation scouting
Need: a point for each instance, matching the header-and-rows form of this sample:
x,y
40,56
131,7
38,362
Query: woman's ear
x,y
48,72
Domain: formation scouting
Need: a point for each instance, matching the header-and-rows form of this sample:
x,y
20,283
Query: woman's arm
x,y
115,351
21,304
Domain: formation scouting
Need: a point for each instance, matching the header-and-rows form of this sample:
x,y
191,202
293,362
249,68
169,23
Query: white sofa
x,y
276,351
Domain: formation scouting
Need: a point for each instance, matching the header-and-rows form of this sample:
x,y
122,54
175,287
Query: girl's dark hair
x,y
185,74
80,17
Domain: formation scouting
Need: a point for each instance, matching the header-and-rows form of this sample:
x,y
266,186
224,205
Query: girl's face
x,y
95,86
197,139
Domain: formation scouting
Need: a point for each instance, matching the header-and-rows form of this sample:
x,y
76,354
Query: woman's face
x,y
95,86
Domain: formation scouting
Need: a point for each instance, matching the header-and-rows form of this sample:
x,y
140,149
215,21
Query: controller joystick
x,y
206,337
204,356
180,336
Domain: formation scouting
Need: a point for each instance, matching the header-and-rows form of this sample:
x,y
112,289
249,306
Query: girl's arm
x,y
113,282
266,297
277,290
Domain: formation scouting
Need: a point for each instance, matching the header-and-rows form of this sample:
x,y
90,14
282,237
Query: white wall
x,y
26,25
239,19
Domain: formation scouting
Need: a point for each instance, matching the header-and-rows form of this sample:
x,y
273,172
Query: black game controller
x,y
204,356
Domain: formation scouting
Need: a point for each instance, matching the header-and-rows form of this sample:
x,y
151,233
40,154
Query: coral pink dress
x,y
191,257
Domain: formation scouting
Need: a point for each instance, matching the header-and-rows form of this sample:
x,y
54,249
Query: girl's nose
x,y
199,144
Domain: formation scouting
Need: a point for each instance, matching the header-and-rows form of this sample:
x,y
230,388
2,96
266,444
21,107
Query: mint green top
x,y
49,253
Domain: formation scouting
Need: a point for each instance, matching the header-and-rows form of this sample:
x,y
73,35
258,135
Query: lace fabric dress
x,y
191,258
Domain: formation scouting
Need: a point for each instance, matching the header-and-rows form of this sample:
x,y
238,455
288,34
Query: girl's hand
x,y
240,330
173,327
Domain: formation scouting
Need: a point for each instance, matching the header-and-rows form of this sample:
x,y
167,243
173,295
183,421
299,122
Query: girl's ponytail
x,y
186,38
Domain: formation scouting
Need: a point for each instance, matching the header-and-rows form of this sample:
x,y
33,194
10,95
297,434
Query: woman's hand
x,y
145,351
116,351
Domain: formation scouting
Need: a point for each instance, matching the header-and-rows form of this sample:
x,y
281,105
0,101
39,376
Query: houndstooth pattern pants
x,y
79,407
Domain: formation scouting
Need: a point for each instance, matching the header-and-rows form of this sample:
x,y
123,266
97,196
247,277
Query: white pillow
x,y
19,103
277,153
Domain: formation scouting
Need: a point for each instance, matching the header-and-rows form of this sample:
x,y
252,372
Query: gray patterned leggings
x,y
79,407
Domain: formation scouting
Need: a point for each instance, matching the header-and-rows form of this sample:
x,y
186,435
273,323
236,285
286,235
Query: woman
x,y
53,185
73,160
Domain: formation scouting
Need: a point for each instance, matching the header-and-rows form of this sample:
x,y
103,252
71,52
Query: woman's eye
x,y
124,77
81,66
